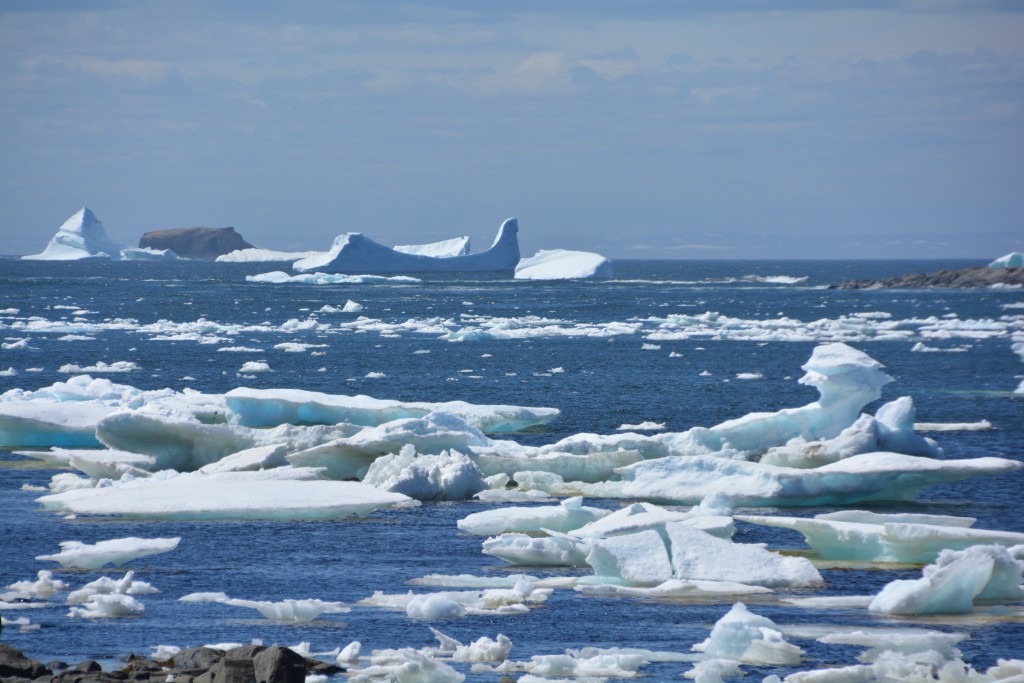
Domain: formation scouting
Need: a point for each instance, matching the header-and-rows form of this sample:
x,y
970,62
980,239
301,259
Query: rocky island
x,y
195,243
970,278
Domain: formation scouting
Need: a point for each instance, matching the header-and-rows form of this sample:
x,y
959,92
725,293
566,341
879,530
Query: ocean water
x,y
664,341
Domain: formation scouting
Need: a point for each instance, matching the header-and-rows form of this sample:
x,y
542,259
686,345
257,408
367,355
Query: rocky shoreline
x,y
966,278
245,664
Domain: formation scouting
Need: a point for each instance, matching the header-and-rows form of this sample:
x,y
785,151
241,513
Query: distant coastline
x,y
964,278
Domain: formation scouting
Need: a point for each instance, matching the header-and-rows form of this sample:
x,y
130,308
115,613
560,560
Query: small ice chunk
x,y
570,514
291,611
116,551
746,637
450,475
43,587
255,366
407,666
126,585
101,606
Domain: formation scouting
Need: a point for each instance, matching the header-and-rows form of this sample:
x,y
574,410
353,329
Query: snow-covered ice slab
x,y
279,277
554,550
570,514
445,476
453,604
355,253
885,541
290,611
865,477
279,494
81,236
116,551
456,246
562,264
256,255
406,665
272,407
673,589
957,578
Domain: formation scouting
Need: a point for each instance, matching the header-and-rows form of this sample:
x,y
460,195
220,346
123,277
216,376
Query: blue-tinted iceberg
x,y
1014,259
354,253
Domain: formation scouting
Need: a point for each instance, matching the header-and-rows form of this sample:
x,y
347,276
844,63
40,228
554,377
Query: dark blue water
x,y
608,380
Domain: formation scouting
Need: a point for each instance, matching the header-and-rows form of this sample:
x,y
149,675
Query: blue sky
x,y
636,129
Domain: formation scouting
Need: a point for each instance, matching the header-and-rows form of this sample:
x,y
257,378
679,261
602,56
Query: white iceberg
x,y
126,585
81,236
107,606
561,264
355,253
882,538
281,493
456,246
116,551
43,587
147,254
1014,259
957,578
445,476
570,514
749,638
257,255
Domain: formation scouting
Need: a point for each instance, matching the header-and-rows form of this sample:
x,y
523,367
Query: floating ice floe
x,y
116,551
43,587
647,426
445,476
256,255
283,493
453,604
869,537
147,254
354,253
957,578
749,638
406,666
289,611
570,514
278,277
100,367
107,606
482,650
126,585
927,665
561,264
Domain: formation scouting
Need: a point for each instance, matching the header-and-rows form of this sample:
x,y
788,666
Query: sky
x,y
638,129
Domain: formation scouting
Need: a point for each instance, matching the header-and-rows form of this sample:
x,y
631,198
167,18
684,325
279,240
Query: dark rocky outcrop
x,y
965,278
197,243
246,664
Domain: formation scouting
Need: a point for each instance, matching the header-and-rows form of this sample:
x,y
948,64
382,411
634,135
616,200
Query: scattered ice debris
x,y
239,349
481,650
375,375
957,578
100,367
126,585
255,366
116,551
646,426
452,604
749,638
749,375
868,537
107,606
568,515
281,493
449,475
15,345
406,666
297,347
43,587
650,347
280,277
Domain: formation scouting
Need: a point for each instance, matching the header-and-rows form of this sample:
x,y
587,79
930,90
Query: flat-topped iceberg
x,y
257,255
81,236
562,264
456,246
355,253
278,494
116,551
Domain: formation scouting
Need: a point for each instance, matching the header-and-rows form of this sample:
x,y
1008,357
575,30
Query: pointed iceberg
x,y
81,236
354,253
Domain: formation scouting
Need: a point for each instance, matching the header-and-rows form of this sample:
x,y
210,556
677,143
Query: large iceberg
x,y
561,264
354,253
257,255
456,246
1014,259
81,236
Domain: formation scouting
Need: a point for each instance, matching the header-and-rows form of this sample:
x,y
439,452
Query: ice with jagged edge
x,y
900,537
955,581
283,493
117,551
81,236
355,253
517,599
44,586
449,475
749,638
126,585
408,666
562,264
567,516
